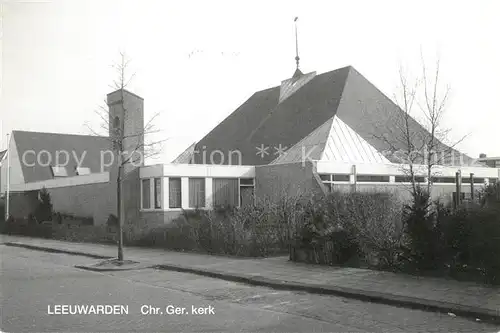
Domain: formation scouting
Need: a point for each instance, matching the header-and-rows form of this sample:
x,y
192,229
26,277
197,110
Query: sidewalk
x,y
460,298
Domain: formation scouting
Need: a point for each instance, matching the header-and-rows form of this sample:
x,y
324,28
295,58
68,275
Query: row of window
x,y
398,179
225,192
59,171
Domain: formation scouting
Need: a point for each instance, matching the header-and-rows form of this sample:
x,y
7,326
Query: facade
x,y
492,162
3,155
308,136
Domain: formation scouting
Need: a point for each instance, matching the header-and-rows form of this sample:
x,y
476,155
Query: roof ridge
x,y
125,90
55,133
303,139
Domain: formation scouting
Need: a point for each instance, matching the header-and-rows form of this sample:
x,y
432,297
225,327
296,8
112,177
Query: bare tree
x,y
433,106
425,143
128,148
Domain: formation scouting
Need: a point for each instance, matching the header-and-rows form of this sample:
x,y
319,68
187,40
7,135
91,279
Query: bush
x,y
43,211
422,248
257,230
23,227
373,221
358,228
471,242
2,210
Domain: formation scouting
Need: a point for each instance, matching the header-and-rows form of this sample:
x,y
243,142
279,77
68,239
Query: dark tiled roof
x,y
186,156
2,154
85,147
297,73
373,115
263,121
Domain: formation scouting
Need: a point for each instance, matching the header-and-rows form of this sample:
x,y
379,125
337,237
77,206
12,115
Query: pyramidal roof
x,y
323,110
333,141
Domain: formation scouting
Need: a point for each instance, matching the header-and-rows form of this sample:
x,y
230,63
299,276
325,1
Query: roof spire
x,y
297,73
297,58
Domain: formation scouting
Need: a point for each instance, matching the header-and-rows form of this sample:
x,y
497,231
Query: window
x,y
247,191
329,186
246,181
158,193
407,179
146,191
116,122
476,180
174,193
246,196
340,178
225,192
444,180
490,164
58,171
196,192
335,178
372,178
326,177
82,171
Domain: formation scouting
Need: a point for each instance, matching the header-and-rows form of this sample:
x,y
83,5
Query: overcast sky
x,y
56,58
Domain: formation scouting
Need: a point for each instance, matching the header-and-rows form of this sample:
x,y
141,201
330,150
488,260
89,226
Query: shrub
x,y
24,228
260,229
112,221
490,195
58,218
372,221
422,250
43,211
2,210
471,241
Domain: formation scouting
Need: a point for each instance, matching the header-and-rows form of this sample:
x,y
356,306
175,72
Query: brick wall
x,y
274,181
130,113
21,204
92,200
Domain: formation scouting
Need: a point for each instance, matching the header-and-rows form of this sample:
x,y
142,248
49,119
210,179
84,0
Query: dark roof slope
x,y
262,121
379,121
186,156
84,148
2,154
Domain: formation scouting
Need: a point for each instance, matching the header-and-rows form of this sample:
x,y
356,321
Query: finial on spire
x,y
297,58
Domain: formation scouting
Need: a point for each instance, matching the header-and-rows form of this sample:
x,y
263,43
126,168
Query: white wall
x,y
398,169
95,178
197,170
16,172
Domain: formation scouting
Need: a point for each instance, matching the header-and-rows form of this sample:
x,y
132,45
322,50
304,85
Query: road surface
x,y
35,284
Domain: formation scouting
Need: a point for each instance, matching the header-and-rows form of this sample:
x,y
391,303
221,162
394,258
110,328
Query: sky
x,y
195,62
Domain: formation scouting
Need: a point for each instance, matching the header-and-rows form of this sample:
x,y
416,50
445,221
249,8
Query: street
x,y
34,283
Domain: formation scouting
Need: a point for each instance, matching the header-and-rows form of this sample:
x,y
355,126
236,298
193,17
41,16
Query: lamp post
x,y
8,180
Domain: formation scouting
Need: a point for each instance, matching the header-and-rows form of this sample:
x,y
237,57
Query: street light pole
x,y
8,180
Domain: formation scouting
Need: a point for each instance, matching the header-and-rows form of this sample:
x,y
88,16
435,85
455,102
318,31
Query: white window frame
x,y
83,171
167,196
142,194
56,170
153,181
240,185
205,192
165,190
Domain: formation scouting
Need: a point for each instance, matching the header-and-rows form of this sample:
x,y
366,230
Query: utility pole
x,y
458,188
471,186
7,214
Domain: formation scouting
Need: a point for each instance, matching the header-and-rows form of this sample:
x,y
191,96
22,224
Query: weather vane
x,y
297,58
